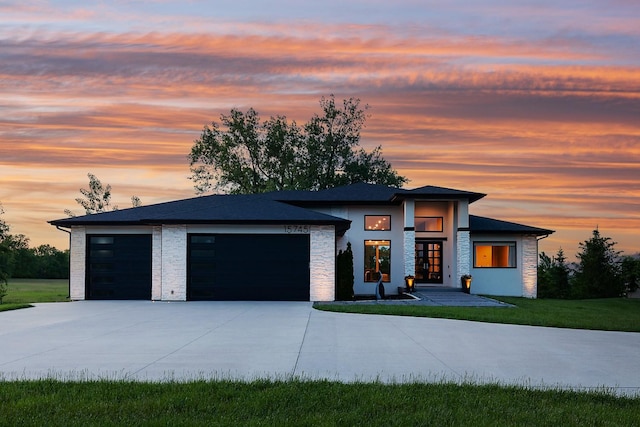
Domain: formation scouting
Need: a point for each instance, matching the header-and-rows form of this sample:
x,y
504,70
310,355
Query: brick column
x,y
322,266
409,253
78,256
174,262
529,266
463,251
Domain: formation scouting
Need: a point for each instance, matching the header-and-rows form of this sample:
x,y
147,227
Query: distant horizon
x,y
536,105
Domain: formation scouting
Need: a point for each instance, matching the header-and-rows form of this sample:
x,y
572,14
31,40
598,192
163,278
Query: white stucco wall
x,y
78,262
357,236
520,281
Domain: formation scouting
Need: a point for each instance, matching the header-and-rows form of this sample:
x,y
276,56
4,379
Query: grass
x,y
23,292
611,314
298,402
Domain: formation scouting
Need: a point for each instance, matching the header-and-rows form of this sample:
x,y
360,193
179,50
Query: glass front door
x,y
428,261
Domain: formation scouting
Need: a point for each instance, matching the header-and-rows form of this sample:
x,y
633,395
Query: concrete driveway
x,y
201,340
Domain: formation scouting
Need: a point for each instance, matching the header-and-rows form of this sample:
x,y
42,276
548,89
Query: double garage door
x,y
259,267
219,267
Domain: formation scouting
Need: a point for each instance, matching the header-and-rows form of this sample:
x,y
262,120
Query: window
x,y
429,223
377,258
377,222
494,255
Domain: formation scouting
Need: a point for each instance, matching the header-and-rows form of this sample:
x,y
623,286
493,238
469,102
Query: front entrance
x,y
428,261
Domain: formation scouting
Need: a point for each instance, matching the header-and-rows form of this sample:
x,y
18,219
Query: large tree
x,y
598,274
243,154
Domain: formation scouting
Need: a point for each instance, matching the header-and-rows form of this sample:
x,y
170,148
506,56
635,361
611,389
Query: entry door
x,y
429,261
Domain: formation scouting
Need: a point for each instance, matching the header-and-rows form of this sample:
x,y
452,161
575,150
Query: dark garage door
x,y
118,267
259,267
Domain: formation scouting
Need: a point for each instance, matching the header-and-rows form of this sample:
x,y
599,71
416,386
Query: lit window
x,y
429,223
494,255
377,222
377,259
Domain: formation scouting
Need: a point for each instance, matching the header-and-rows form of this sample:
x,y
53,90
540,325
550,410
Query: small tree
x,y
553,276
97,198
598,274
344,285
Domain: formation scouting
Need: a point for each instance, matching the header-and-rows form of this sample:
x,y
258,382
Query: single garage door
x,y
252,267
118,267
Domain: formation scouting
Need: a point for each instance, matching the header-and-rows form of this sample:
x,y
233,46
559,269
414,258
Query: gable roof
x,y
480,224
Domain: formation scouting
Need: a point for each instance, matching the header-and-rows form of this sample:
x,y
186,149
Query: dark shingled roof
x,y
480,224
278,207
215,209
363,193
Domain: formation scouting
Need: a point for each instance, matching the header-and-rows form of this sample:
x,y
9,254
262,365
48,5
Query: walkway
x,y
436,296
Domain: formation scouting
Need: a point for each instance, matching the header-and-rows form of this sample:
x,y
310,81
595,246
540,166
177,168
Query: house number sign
x,y
297,229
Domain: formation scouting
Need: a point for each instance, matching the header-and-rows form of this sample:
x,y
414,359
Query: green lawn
x,y
298,403
22,292
612,314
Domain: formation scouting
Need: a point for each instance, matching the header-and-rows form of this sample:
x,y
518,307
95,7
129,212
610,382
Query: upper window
x,y
429,223
494,255
377,222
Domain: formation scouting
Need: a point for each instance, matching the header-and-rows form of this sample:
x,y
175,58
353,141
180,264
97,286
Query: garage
x,y
118,267
261,267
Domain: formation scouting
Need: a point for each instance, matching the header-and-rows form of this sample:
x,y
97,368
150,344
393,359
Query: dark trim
x,y
464,229
409,229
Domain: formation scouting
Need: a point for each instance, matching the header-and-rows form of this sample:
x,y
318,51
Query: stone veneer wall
x,y
78,255
409,253
463,258
529,266
156,264
322,268
174,263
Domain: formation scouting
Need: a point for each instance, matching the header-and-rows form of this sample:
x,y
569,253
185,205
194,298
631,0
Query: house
x,y
283,246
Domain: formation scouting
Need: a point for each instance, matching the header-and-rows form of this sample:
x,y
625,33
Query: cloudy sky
x,y
536,103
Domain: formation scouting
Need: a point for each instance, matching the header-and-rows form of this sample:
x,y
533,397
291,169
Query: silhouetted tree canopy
x,y
243,154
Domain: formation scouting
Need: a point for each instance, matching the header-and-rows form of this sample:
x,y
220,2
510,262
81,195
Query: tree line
x,y
601,272
18,260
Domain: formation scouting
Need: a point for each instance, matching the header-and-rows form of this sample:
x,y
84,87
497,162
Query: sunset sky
x,y
536,103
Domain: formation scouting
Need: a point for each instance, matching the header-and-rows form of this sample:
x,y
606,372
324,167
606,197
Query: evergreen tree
x,y
553,276
599,273
344,283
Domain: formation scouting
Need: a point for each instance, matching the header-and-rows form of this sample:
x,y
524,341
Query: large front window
x,y
494,255
377,259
